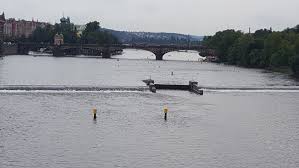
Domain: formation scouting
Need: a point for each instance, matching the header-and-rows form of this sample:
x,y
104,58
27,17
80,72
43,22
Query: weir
x,y
281,88
192,87
67,88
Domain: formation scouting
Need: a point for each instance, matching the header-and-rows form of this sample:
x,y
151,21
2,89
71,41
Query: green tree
x,y
93,34
45,34
271,45
255,57
239,52
222,41
278,50
262,33
295,65
263,49
296,46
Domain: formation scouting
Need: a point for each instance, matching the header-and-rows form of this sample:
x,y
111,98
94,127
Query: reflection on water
x,y
41,129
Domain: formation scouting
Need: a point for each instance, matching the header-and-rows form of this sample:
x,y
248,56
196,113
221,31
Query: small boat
x,y
38,53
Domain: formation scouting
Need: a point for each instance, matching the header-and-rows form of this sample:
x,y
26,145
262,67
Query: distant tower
x,y
64,20
249,30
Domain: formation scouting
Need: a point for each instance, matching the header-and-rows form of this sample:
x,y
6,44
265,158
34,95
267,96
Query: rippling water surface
x,y
220,129
130,71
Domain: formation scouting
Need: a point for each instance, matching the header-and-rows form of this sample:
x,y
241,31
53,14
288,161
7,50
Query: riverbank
x,y
283,70
263,48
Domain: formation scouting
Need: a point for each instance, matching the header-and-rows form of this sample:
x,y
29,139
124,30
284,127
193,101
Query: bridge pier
x,y
106,53
159,53
159,57
22,50
58,52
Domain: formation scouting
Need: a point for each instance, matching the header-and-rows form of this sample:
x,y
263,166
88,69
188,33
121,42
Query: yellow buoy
x,y
165,110
165,113
94,111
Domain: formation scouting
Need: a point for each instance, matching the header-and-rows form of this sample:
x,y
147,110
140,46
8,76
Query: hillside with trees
x,y
262,49
154,38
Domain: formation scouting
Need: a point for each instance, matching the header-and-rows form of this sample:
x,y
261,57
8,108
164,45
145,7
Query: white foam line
x,y
251,91
69,91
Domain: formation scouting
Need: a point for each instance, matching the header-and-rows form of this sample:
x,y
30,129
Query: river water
x,y
222,128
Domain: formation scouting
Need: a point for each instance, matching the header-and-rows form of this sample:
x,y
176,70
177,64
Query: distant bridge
x,y
106,51
160,50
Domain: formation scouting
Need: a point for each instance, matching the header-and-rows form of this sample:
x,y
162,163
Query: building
x,y
10,28
13,28
58,39
64,20
2,22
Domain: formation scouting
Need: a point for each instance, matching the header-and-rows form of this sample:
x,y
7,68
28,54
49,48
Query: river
x,y
223,128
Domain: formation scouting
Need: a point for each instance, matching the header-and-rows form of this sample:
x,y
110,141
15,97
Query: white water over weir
x,y
68,88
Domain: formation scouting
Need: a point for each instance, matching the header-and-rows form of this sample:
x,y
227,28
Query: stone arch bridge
x,y
106,51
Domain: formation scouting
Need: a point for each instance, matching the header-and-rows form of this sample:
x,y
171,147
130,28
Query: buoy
x,y
171,73
165,113
94,111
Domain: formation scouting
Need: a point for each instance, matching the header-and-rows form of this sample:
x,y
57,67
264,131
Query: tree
x,y
222,41
295,65
278,50
239,52
93,34
92,27
262,33
45,34
296,46
264,48
255,57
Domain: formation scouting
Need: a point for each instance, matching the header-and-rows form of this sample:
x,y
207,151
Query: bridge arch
x,y
158,52
133,53
183,55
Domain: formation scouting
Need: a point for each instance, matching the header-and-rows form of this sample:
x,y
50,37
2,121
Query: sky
x,y
196,17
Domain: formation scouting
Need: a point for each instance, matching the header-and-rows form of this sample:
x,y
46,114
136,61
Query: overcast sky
x,y
198,17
